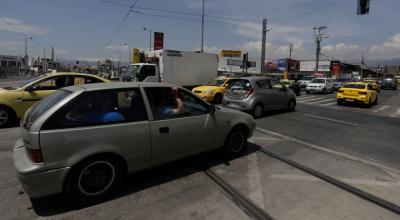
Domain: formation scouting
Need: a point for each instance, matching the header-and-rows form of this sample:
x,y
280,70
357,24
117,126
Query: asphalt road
x,y
357,145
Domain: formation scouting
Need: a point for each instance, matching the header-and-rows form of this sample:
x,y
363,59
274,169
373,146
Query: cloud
x,y
389,49
275,51
10,45
124,47
15,25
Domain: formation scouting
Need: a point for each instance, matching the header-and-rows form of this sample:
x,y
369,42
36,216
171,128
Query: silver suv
x,y
83,140
257,95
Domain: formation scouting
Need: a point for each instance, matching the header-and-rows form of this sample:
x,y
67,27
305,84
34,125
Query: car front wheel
x,y
7,117
236,141
258,111
94,180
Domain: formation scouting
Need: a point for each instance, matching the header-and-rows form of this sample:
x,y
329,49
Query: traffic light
x,y
244,62
362,7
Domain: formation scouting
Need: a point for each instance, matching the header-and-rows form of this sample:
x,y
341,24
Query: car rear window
x,y
242,84
354,86
41,107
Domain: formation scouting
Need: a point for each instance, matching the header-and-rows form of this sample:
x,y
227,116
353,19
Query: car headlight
x,y
207,92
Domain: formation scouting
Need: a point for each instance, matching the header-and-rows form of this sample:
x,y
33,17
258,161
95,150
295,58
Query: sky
x,y
86,29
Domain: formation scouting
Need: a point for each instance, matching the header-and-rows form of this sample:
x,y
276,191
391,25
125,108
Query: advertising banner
x,y
231,53
135,55
158,41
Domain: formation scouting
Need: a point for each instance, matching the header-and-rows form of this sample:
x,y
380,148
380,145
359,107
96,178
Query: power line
x,y
174,11
13,27
182,18
304,14
121,24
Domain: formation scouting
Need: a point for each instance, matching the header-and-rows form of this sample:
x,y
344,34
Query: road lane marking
x,y
306,97
314,99
327,104
381,108
396,114
5,155
393,171
325,100
331,119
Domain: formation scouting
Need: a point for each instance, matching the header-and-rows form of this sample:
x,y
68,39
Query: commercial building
x,y
10,65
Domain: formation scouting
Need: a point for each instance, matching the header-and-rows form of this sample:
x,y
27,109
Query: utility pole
x,y
26,58
319,36
263,42
290,50
148,29
362,65
202,30
52,58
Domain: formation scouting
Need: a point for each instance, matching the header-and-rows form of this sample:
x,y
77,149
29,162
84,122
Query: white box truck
x,y
188,69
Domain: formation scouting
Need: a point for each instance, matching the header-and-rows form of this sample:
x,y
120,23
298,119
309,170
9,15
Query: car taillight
x,y
248,92
340,91
362,93
35,155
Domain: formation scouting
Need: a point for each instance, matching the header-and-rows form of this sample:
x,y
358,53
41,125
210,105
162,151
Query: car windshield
x,y
26,82
219,82
132,72
41,107
354,86
239,84
318,81
308,78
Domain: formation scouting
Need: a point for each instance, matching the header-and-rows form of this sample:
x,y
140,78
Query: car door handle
x,y
164,130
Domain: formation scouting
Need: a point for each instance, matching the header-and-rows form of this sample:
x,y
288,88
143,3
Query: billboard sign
x,y
158,40
335,68
231,53
135,55
276,65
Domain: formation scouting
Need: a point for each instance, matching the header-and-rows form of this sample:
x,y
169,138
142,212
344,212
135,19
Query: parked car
x,y
257,95
303,82
320,85
357,92
337,85
389,83
375,83
85,139
214,90
16,100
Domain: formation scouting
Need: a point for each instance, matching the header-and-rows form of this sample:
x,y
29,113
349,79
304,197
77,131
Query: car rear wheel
x,y
307,92
236,141
258,111
376,101
7,117
94,180
324,91
218,98
291,105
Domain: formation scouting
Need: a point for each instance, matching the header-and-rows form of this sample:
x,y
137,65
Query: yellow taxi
x,y
214,90
374,84
17,99
357,92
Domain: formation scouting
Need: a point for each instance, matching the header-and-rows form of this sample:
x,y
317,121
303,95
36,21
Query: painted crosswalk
x,y
330,102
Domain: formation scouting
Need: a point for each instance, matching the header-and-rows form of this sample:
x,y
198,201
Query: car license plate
x,y
232,105
349,100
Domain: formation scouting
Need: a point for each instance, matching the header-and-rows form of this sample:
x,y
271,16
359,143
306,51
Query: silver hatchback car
x,y
257,95
84,140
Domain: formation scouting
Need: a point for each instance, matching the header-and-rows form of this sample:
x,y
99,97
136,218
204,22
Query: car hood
x,y
204,88
316,84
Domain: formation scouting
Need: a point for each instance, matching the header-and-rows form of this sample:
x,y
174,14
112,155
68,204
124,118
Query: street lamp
x,y
149,30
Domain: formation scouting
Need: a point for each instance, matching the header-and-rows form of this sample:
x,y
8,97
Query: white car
x,y
303,82
320,85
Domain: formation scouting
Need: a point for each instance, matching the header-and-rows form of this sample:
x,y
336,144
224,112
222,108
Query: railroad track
x,y
255,212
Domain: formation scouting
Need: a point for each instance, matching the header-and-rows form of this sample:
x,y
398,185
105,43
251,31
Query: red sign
x,y
335,68
158,41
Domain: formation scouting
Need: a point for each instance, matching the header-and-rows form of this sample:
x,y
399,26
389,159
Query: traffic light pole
x,y
264,39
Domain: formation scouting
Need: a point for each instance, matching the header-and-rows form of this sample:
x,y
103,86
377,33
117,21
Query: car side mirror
x,y
211,109
32,88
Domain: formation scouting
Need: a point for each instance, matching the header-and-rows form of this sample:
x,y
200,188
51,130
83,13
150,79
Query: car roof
x,y
115,85
359,83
